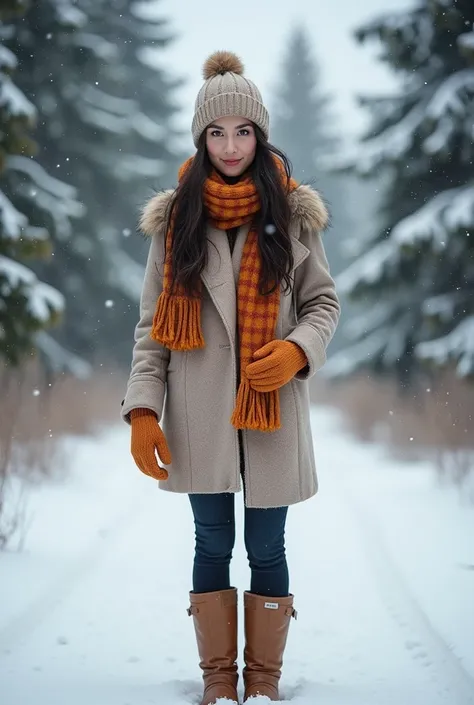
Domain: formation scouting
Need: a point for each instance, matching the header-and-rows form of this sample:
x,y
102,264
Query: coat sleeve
x,y
147,382
317,305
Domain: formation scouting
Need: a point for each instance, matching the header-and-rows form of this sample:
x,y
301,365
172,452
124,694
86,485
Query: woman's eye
x,y
244,132
216,133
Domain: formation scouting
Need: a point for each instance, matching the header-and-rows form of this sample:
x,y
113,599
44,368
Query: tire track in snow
x,y
426,646
59,589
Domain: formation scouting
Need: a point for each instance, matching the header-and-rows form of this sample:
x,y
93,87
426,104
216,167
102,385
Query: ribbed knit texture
x,y
228,94
147,437
275,364
135,413
177,319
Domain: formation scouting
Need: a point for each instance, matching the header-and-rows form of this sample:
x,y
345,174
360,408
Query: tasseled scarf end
x,y
176,323
256,411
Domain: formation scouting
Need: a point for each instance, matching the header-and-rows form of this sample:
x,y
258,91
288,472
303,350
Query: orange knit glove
x,y
147,437
276,364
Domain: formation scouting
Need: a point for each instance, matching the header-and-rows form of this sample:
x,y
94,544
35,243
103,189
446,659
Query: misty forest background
x,y
88,131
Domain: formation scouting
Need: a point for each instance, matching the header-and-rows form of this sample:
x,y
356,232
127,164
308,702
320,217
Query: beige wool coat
x,y
193,393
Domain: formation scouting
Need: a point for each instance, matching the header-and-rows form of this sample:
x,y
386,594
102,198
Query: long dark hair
x,y
189,213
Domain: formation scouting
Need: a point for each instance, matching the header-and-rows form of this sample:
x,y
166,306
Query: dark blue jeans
x,y
264,535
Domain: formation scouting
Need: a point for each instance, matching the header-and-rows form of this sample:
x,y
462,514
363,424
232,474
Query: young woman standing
x,y
237,310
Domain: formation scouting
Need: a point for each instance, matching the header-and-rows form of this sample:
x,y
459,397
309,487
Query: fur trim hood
x,y
307,208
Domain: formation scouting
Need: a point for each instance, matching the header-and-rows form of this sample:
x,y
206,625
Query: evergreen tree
x,y
414,278
149,151
81,61
33,206
302,127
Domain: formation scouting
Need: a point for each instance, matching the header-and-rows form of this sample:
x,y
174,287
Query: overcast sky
x,y
257,30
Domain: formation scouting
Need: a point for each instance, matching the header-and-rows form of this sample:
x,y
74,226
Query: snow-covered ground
x,y
92,611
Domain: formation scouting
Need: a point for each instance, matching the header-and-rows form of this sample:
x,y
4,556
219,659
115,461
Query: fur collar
x,y
307,209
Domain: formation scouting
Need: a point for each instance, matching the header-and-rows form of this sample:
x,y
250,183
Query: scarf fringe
x,y
256,411
177,322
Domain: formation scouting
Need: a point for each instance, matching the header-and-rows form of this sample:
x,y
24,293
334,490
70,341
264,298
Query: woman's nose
x,y
230,146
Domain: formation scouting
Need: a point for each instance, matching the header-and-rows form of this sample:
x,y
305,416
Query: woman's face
x,y
231,143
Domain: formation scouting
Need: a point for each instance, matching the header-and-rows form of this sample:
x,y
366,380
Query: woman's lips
x,y
231,162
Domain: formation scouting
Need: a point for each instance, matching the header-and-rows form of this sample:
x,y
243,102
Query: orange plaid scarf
x,y
177,320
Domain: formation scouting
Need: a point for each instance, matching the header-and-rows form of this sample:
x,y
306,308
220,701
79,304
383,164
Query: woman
x,y
237,309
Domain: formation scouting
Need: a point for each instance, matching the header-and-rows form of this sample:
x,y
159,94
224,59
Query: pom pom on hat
x,y
221,62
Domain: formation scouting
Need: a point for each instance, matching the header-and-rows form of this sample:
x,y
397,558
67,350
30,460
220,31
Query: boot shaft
x,y
266,622
215,624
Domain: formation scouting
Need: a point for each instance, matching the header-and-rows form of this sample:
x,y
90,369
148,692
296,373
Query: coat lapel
x,y
300,252
218,278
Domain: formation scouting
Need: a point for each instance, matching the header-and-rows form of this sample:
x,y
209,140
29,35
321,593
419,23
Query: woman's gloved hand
x,y
275,365
148,438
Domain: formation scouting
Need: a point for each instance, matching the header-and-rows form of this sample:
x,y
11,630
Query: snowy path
x,y
93,611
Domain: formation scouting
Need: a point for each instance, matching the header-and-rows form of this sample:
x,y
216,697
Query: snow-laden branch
x,y
100,47
43,300
146,11
387,344
41,178
119,116
8,59
443,306
369,268
466,41
147,128
14,226
108,103
48,194
448,106
457,346
62,360
69,15
13,222
14,101
446,212
412,29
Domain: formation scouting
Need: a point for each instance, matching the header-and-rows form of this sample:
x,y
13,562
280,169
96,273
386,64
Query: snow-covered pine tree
x,y
414,278
75,62
149,148
51,66
303,126
33,205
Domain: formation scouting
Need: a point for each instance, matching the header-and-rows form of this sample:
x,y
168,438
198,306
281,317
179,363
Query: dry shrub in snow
x,y
432,420
35,413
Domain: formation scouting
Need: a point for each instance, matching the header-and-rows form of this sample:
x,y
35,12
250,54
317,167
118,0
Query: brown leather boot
x,y
267,620
215,622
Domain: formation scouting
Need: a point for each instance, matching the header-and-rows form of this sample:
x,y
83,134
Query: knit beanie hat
x,y
227,92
